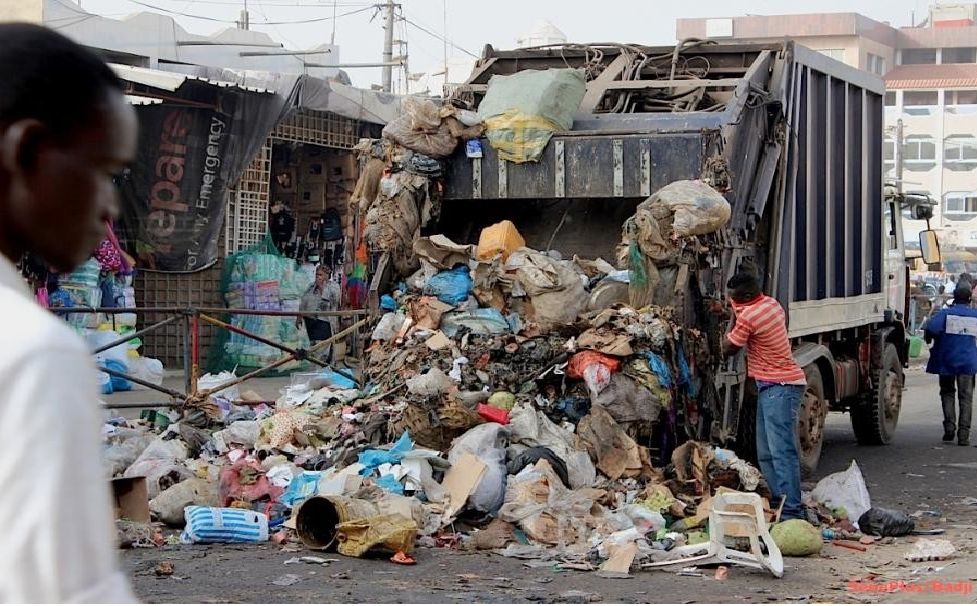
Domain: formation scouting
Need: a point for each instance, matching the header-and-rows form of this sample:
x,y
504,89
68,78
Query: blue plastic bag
x,y
685,373
482,321
337,380
118,383
371,459
387,303
391,485
105,383
301,488
661,369
452,286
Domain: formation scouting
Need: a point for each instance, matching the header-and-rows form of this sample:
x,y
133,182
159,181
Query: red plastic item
x,y
581,360
493,414
402,558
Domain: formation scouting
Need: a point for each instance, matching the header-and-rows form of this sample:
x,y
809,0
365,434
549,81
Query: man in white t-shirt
x,y
65,132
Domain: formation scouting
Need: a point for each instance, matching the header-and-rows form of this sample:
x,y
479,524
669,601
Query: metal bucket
x,y
318,517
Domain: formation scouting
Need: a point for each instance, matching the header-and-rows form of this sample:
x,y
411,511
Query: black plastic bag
x,y
530,456
885,523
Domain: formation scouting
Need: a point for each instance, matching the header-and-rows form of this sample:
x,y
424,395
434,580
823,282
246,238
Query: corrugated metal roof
x,y
171,81
932,76
140,100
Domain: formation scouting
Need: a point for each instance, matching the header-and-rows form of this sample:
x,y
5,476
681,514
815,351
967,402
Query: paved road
x,y
917,472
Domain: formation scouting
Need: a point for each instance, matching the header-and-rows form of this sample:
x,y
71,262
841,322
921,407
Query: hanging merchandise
x,y
332,225
282,225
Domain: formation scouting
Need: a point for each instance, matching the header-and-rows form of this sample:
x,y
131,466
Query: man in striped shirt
x,y
760,325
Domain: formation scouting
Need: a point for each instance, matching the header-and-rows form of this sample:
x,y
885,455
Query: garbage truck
x,y
793,140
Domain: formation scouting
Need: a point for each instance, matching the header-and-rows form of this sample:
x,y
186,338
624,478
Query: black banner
x,y
174,196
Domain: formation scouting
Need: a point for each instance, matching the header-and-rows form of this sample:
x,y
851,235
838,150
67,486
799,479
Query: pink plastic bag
x,y
232,488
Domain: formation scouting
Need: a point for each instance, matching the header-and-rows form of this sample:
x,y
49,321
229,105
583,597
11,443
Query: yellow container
x,y
499,239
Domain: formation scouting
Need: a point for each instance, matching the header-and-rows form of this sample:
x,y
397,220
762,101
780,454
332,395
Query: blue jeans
x,y
776,443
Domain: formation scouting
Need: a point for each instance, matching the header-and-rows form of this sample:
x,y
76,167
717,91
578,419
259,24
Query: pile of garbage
x,y
496,410
510,399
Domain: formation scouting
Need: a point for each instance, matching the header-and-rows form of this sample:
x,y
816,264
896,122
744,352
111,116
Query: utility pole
x,y
332,39
900,155
444,25
245,22
388,45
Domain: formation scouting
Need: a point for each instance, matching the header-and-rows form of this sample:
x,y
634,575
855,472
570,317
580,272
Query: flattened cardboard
x,y
460,482
130,499
620,558
438,341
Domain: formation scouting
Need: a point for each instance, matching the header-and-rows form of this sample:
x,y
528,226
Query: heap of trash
x,y
510,399
496,410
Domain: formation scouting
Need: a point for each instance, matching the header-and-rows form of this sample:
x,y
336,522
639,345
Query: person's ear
x,y
20,143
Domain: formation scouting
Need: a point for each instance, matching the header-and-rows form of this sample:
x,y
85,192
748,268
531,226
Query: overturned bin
x,y
318,517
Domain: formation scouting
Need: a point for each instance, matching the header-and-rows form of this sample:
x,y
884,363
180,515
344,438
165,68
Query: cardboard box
x,y
131,499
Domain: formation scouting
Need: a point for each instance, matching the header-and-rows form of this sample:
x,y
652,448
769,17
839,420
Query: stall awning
x,y
171,81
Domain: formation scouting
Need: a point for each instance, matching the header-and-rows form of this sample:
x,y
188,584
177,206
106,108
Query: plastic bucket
x,y
318,517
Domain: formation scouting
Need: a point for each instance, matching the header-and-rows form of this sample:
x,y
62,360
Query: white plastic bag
x,y
388,326
533,428
560,520
101,338
845,489
644,518
431,383
699,209
162,465
169,505
124,448
487,442
239,434
147,369
210,381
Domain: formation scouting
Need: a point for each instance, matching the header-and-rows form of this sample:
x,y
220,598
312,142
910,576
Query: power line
x,y
231,21
261,9
436,35
293,3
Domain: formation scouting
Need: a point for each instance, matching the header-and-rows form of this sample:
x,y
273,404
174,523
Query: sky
x,y
470,24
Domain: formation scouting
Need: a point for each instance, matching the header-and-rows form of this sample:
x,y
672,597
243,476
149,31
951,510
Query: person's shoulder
x,y
26,327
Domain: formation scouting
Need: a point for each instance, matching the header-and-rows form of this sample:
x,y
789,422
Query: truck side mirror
x,y
921,211
929,246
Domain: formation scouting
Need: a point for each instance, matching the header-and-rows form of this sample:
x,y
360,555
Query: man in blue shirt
x,y
953,356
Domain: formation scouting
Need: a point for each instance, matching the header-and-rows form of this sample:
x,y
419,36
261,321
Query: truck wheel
x,y
810,421
875,417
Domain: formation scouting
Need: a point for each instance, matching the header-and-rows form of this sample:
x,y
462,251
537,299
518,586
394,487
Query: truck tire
x,y
875,417
810,421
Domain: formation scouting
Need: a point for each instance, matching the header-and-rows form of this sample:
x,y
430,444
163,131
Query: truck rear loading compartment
x,y
796,149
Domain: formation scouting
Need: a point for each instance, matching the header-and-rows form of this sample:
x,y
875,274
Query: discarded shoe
x,y
402,558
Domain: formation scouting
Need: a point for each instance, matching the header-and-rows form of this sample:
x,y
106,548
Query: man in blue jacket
x,y
953,356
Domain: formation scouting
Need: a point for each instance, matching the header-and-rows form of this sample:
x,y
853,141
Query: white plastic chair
x,y
726,523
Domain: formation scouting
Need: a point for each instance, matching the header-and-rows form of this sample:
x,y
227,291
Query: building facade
x,y
152,40
930,71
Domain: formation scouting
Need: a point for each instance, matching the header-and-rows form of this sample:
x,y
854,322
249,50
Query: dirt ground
x,y
916,473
